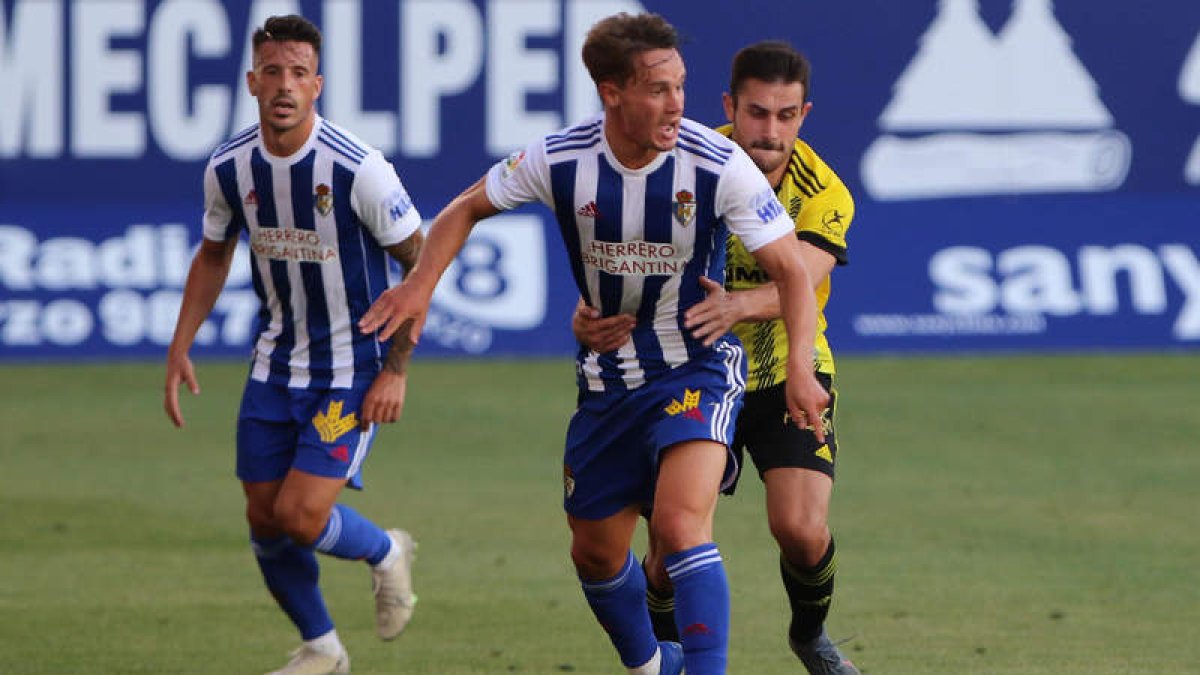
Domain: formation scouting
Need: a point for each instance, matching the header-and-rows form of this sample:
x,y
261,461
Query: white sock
x,y
327,643
390,559
650,667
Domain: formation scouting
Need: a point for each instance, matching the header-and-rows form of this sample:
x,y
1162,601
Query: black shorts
x,y
766,431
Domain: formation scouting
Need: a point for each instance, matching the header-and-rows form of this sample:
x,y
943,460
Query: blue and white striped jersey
x,y
318,223
639,240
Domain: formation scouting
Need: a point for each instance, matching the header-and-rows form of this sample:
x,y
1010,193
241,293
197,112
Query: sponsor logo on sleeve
x,y
834,222
399,204
766,206
512,162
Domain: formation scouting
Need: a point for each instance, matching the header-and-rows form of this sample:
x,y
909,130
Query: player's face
x,y
645,112
766,118
286,83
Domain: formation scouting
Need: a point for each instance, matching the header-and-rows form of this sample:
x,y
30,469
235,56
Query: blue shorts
x,y
315,431
614,439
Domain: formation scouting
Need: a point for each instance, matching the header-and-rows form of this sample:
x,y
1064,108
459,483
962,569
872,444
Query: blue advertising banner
x,y
1026,172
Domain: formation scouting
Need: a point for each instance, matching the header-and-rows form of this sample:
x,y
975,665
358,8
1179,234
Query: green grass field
x,y
997,515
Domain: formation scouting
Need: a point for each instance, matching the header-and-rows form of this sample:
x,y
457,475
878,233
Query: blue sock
x,y
620,606
291,573
701,608
349,536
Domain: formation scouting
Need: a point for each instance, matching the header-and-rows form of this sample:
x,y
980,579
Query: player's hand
x,y
600,334
384,400
179,370
806,401
393,308
713,316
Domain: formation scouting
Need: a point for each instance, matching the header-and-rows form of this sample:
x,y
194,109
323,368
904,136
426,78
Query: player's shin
x,y
619,604
291,574
809,593
701,608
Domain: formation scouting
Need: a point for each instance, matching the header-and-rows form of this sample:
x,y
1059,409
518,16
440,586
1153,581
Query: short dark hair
x,y
290,28
770,61
612,43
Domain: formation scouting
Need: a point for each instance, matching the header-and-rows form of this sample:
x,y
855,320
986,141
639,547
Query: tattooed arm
x,y
385,399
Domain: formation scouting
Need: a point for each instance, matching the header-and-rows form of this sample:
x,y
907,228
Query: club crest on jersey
x,y
684,207
331,425
512,162
323,199
689,407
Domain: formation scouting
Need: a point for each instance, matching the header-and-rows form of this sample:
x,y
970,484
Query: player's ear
x,y
610,93
251,83
320,86
730,104
804,110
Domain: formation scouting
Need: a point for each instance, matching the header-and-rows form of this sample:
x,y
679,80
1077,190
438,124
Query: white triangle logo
x,y
982,114
1189,90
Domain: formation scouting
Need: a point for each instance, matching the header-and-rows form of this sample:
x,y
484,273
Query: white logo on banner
x,y
1047,129
1189,90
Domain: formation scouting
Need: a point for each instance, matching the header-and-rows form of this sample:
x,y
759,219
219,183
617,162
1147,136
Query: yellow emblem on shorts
x,y
331,425
824,453
826,421
690,407
691,399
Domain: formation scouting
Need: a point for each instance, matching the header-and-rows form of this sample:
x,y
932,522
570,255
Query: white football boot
x,y
394,597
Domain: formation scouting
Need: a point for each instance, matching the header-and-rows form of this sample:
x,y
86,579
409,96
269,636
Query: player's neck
x,y
286,142
631,154
775,177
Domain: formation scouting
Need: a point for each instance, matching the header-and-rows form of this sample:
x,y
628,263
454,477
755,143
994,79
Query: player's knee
x,y
261,518
801,537
594,561
656,573
675,530
303,525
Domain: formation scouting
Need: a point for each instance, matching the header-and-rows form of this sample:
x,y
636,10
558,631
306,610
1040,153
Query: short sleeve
x,y
381,202
520,178
748,204
825,218
217,214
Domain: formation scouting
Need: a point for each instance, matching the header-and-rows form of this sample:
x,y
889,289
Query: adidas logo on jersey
x,y
589,210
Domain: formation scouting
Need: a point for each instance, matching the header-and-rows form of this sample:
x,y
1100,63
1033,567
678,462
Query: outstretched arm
x,y
407,304
205,280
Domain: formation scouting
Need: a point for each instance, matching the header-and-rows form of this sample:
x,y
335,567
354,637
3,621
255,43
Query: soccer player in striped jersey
x,y
322,212
643,198
767,103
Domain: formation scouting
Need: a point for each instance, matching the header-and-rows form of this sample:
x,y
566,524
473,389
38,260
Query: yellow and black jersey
x,y
821,206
